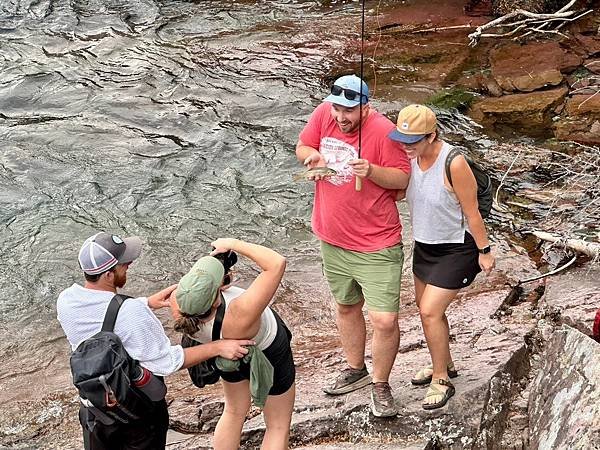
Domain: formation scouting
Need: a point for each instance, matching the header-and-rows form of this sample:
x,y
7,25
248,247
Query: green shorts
x,y
375,276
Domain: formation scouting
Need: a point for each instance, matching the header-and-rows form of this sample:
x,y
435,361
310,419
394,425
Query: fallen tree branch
x,y
436,29
547,274
591,249
404,29
504,176
533,23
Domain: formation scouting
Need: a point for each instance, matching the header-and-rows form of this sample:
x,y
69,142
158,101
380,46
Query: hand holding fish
x,y
361,167
316,173
317,168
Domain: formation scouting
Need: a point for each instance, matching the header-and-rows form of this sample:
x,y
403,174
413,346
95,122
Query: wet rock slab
x,y
575,296
483,348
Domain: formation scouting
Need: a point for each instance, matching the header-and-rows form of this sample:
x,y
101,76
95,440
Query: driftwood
x,y
413,29
591,249
530,24
547,274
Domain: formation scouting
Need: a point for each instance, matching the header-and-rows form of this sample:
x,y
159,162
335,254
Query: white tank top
x,y
435,213
268,325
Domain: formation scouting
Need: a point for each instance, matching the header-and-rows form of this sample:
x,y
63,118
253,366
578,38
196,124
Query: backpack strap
x,y
451,155
111,312
216,329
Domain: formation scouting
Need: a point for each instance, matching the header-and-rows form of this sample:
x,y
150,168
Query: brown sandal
x,y
423,376
434,390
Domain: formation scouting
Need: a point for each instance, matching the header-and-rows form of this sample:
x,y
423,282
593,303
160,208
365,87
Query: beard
x,y
120,280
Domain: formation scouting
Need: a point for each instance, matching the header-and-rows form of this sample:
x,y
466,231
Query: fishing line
x,y
374,58
358,180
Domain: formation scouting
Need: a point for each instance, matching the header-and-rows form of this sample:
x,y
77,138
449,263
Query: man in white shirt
x,y
104,259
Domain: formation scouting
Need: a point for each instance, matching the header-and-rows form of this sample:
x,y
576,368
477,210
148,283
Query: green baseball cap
x,y
198,288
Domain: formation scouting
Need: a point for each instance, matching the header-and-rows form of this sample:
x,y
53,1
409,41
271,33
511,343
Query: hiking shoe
x,y
382,401
349,380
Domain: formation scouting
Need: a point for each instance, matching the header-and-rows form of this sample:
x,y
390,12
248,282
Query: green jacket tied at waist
x,y
261,373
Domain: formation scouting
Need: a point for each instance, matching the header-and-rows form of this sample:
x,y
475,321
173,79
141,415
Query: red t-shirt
x,y
365,221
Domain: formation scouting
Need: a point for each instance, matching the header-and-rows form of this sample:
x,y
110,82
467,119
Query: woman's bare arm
x,y
242,318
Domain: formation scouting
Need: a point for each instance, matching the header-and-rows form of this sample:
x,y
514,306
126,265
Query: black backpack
x,y
484,182
206,372
102,372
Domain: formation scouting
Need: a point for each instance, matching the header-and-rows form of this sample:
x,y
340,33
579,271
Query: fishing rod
x,y
358,180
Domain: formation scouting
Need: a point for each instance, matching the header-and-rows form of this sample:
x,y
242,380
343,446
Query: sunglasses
x,y
348,93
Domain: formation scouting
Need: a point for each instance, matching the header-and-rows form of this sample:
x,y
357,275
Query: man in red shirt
x,y
360,231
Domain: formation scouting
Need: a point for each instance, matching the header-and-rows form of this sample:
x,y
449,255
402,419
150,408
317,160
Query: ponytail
x,y
187,324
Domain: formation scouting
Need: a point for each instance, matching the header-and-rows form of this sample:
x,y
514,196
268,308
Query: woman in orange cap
x,y
449,251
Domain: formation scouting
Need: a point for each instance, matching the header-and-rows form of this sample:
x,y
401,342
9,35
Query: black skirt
x,y
448,266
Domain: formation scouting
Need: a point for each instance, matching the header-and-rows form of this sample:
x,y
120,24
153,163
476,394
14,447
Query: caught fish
x,y
309,174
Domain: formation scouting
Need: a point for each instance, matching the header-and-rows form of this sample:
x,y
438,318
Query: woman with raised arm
x,y
451,243
267,374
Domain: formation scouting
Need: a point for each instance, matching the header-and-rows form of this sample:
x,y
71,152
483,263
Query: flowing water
x,y
172,120
175,121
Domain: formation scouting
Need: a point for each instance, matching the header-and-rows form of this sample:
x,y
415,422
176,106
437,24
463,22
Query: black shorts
x,y
279,354
448,266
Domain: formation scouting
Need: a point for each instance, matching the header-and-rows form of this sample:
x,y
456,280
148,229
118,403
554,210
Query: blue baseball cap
x,y
346,91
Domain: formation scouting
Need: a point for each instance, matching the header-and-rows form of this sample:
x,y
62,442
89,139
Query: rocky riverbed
x,y
529,376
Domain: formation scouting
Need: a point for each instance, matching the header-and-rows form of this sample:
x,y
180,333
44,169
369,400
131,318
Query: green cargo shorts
x,y
375,276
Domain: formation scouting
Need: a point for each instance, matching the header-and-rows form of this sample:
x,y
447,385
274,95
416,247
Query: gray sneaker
x,y
382,401
349,380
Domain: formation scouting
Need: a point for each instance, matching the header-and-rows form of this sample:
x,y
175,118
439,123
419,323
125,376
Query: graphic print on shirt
x,y
336,154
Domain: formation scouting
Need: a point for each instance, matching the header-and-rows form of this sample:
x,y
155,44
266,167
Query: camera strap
x,y
218,323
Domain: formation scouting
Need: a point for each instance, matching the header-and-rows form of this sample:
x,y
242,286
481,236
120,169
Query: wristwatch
x,y
484,250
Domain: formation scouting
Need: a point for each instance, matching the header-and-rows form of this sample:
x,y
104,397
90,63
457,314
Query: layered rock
x,y
530,67
581,121
531,113
565,103
564,405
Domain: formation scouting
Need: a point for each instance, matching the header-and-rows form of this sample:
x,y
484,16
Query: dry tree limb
x,y
591,249
404,29
436,29
504,176
587,99
547,274
534,22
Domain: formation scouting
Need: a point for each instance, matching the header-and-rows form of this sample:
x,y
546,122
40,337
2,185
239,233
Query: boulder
x,y
589,44
581,120
576,296
593,65
564,404
528,113
531,66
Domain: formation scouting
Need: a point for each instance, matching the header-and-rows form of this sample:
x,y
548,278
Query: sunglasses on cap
x,y
348,93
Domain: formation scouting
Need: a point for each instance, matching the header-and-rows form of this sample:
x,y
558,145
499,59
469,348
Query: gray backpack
x,y
484,182
103,372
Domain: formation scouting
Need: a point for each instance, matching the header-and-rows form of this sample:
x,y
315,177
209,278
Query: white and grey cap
x,y
103,251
